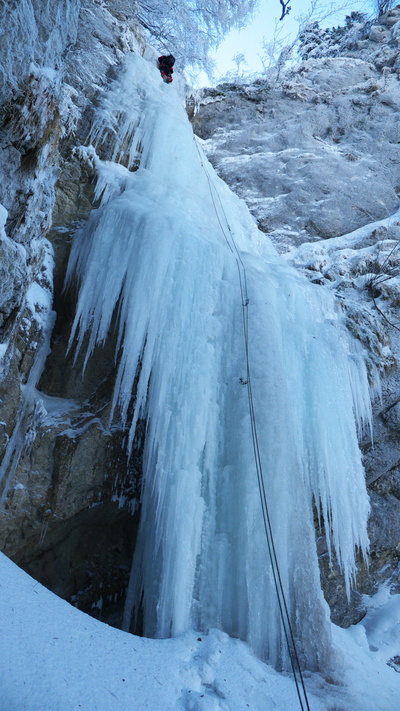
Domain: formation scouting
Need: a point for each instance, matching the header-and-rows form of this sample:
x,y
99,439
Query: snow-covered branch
x,y
190,29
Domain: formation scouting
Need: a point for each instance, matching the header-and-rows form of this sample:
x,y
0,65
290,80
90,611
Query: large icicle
x,y
157,248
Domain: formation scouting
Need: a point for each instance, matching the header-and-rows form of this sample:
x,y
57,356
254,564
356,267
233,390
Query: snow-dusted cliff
x,y
185,356
56,60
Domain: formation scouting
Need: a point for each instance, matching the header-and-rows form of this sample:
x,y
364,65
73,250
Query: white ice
x,y
165,249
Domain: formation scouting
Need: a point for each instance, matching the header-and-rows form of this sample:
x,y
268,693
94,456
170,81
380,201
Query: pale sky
x,y
249,40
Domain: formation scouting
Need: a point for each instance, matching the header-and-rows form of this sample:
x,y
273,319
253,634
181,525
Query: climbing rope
x,y
282,603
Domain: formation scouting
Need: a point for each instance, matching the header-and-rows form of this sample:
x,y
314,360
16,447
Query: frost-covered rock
x,y
55,58
13,274
317,155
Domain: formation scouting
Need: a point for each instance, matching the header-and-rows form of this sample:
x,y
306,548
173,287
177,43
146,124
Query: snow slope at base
x,y
55,658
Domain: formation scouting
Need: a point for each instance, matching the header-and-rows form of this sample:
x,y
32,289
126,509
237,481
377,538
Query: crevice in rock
x,y
78,537
86,559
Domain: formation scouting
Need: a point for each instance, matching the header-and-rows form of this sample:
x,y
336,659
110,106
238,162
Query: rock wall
x,y
69,496
281,145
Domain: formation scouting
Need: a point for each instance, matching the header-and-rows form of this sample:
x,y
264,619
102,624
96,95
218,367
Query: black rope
x,y
282,603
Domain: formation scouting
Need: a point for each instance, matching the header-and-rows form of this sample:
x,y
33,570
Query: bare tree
x,y
285,8
190,28
239,59
381,7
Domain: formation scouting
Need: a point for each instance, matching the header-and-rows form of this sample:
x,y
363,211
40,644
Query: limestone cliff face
x,y
316,155
322,154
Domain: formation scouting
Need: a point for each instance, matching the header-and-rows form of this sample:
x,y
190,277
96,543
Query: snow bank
x,y
56,658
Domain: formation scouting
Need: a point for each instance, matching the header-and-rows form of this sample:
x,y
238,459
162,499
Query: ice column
x,y
160,249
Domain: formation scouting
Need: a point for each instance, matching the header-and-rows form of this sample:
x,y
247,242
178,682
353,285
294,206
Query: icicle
x,y
158,250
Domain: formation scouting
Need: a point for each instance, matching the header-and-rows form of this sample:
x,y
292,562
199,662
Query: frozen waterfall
x,y
156,251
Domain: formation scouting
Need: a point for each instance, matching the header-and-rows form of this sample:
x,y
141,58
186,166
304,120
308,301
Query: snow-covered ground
x,y
55,658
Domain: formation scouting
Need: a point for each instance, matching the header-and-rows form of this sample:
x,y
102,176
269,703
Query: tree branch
x,y
285,8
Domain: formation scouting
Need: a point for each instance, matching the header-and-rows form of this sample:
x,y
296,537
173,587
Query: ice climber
x,y
165,65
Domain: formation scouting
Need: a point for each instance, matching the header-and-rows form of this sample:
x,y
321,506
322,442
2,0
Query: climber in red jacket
x,y
165,65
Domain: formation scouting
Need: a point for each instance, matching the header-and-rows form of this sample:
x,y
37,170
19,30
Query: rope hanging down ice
x,y
283,607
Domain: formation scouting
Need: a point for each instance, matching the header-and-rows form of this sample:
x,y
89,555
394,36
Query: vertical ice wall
x,y
157,249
